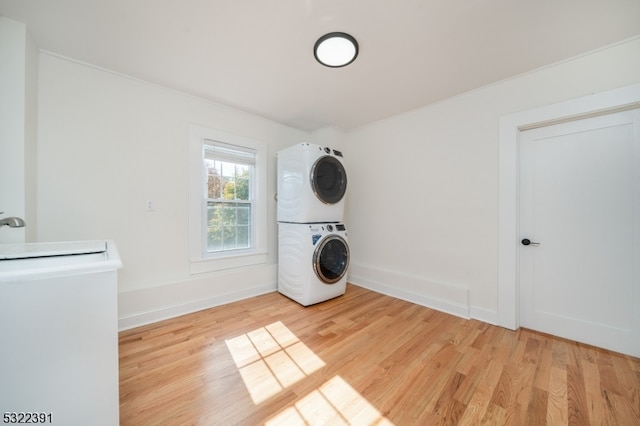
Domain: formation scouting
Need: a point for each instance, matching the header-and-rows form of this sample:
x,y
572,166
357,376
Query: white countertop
x,y
21,262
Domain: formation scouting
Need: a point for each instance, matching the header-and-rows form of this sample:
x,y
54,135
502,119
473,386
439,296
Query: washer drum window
x,y
331,259
328,179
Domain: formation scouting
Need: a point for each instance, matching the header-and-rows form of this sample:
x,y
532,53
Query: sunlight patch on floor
x,y
333,403
272,358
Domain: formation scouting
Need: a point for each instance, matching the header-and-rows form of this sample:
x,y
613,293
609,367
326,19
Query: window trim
x,y
202,261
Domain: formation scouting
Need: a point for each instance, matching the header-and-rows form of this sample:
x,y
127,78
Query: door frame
x,y
511,125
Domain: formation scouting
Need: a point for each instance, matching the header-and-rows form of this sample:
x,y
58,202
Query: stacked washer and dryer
x,y
312,237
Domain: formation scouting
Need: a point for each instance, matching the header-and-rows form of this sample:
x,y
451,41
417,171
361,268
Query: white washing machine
x,y
312,183
313,261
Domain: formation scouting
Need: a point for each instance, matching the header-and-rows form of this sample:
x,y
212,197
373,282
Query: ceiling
x,y
256,55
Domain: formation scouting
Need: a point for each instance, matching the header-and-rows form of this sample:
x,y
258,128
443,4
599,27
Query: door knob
x,y
527,242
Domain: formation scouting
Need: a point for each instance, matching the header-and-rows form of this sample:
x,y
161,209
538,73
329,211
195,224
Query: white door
x,y
580,210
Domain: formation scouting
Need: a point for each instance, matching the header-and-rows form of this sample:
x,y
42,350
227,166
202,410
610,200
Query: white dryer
x,y
313,261
312,183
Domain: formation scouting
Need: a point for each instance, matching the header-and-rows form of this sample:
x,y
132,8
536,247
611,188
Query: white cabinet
x,y
59,333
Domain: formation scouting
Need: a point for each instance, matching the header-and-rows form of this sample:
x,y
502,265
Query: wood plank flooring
x,y
364,359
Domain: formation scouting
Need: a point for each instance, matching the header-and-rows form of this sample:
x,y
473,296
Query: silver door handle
x,y
528,242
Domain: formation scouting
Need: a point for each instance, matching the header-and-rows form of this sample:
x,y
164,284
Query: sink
x,y
20,262
66,248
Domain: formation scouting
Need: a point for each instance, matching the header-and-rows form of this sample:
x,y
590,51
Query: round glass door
x,y
331,259
328,179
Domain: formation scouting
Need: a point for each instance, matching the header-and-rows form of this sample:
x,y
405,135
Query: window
x,y
228,194
227,207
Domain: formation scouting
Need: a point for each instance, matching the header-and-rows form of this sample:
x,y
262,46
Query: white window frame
x,y
201,261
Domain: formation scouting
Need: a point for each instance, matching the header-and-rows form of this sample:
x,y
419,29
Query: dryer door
x,y
331,259
328,179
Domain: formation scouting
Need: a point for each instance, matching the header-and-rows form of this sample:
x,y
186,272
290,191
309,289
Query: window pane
x,y
227,188
228,226
228,169
244,213
214,227
229,214
229,238
242,187
227,180
214,244
243,239
213,181
213,214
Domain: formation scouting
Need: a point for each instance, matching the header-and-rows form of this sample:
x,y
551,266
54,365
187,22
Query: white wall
x,y
329,136
423,191
422,197
18,126
107,143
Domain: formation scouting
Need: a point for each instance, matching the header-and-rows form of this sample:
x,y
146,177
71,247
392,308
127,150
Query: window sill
x,y
213,264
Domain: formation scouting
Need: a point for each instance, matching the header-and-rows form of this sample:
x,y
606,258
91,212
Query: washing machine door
x,y
331,259
328,179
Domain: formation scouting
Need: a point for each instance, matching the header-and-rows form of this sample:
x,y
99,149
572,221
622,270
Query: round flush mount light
x,y
336,50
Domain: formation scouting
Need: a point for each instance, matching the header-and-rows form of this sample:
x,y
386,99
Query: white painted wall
x,y
423,186
423,191
330,136
18,126
107,143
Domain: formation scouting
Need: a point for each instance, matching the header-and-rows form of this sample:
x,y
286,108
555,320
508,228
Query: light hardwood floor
x,y
364,358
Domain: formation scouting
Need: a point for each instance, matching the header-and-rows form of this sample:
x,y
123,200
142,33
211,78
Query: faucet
x,y
12,222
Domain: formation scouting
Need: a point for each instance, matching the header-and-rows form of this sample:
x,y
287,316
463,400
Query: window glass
x,y
229,197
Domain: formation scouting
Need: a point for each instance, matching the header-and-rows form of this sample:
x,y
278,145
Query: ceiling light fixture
x,y
336,50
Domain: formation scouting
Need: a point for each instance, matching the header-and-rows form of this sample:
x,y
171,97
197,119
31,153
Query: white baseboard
x,y
452,299
484,315
149,305
448,298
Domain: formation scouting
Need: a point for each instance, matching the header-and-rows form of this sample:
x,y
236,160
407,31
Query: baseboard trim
x,y
446,298
146,306
171,311
484,315
152,304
